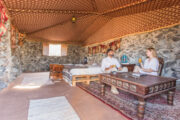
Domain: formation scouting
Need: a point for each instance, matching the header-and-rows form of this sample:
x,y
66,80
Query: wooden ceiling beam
x,y
51,11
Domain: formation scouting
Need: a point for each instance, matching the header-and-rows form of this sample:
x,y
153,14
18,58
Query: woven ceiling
x,y
136,23
50,20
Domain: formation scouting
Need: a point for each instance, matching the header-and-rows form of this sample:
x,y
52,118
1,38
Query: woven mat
x,y
36,79
56,108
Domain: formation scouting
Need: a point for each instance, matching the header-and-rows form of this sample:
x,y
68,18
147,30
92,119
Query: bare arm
x,y
109,68
148,70
141,65
153,68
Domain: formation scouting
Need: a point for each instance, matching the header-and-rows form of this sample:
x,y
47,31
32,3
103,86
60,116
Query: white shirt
x,y
151,64
108,61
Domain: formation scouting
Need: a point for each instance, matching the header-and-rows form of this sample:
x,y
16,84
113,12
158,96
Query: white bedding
x,y
86,71
90,70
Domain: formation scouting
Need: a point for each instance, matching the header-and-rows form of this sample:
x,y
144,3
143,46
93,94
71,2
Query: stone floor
x,y
14,102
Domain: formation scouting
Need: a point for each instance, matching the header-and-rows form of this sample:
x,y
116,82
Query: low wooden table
x,y
143,87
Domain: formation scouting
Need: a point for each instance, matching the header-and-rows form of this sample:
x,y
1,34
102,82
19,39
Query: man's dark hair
x,y
109,50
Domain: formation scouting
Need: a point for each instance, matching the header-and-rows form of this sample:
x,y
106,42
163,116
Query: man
x,y
110,64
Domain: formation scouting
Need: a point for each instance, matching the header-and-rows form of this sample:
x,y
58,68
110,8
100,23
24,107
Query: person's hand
x,y
120,68
147,70
141,65
112,66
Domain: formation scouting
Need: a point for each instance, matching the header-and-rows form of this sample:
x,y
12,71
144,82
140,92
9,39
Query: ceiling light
x,y
73,19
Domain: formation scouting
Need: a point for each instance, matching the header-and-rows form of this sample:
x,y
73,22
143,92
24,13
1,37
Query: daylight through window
x,y
54,50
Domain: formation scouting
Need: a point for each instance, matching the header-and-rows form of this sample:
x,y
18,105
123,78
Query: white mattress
x,y
86,71
90,70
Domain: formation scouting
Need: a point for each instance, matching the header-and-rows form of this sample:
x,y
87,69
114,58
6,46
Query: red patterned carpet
x,y
156,107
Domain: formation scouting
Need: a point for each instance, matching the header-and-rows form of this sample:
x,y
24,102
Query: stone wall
x,y
29,58
5,53
165,41
32,59
9,64
16,63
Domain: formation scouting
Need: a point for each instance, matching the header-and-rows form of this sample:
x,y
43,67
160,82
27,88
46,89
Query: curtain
x,y
46,49
64,50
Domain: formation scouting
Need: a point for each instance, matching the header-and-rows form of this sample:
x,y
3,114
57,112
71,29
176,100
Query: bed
x,y
80,73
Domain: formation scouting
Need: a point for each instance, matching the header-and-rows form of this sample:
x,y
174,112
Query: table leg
x,y
170,97
141,108
102,89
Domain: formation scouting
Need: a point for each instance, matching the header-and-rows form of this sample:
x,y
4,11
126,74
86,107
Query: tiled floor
x,y
14,102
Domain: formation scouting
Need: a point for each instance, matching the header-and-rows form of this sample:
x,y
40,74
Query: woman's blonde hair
x,y
153,51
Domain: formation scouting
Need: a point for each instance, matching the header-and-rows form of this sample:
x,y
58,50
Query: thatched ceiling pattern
x,y
136,23
50,20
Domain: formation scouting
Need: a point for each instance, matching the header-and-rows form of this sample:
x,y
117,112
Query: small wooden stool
x,y
56,71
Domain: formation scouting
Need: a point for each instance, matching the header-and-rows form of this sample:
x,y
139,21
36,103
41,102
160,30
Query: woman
x,y
151,64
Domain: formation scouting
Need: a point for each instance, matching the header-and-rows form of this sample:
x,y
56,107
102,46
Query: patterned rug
x,y
156,107
56,108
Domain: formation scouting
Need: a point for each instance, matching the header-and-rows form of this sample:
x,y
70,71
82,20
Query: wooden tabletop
x,y
145,80
143,87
